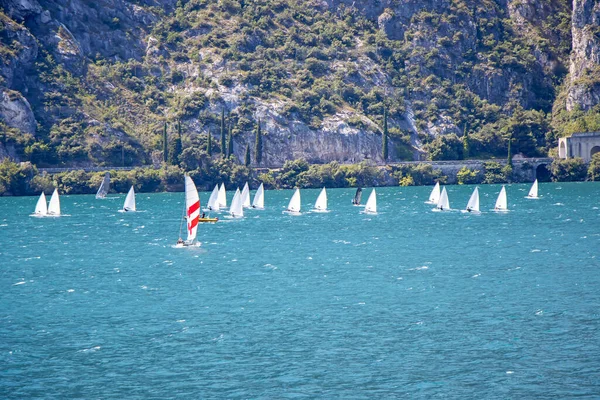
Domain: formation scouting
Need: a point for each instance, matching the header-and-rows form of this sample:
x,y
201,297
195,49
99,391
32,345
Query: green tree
x,y
509,156
258,145
247,157
569,170
467,176
165,144
176,146
466,144
385,136
594,167
229,143
223,135
209,144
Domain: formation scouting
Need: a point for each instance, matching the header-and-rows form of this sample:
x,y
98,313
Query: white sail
x,y
434,197
129,204
222,196
294,205
41,208
54,206
104,187
259,198
246,196
192,207
213,201
321,203
443,202
236,209
533,192
473,204
371,205
501,201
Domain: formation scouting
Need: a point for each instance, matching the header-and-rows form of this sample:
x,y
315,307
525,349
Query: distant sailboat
x,y
371,205
443,203
294,205
54,206
259,198
192,213
473,204
236,210
104,187
434,197
501,201
533,192
213,201
41,208
357,197
321,203
222,197
246,196
129,204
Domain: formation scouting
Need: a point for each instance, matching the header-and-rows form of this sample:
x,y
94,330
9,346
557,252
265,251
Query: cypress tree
x,y
176,147
385,136
466,144
223,143
258,145
165,144
247,158
509,160
209,144
230,143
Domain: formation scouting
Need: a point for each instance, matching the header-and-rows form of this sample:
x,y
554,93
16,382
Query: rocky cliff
x,y
90,82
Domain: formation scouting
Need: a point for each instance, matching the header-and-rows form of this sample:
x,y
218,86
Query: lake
x,y
408,303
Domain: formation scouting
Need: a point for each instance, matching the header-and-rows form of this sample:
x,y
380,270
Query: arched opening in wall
x,y
562,150
542,173
595,149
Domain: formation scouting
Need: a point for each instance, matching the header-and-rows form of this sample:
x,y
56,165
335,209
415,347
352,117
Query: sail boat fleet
x,y
241,199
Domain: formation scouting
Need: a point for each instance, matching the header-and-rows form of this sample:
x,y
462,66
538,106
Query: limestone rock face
x,y
16,112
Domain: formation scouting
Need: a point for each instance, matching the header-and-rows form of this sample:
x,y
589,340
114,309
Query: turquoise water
x,y
406,304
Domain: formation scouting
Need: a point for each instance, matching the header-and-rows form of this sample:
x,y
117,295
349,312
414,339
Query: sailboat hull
x,y
208,220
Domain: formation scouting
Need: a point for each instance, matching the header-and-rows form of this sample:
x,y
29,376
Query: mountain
x,y
93,83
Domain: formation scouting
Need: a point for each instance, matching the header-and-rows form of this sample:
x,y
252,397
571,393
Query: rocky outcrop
x,y
15,112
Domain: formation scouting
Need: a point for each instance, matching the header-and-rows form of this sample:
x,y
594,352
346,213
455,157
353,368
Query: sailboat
x,y
192,214
236,210
473,204
213,201
222,198
129,204
443,203
293,207
371,205
501,201
434,197
259,198
246,196
41,208
321,203
54,205
357,197
533,192
104,187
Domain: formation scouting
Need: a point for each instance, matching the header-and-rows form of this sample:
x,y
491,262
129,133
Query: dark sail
x,y
104,187
357,197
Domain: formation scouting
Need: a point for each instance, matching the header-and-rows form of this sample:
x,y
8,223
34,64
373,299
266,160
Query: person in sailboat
x,y
180,241
203,215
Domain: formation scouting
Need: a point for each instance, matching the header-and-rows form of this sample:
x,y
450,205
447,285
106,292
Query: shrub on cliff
x,y
570,170
594,168
467,176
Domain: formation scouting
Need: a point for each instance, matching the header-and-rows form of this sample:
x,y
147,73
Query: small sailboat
x,y
501,201
222,198
236,210
213,201
192,214
434,197
129,204
321,203
371,205
54,205
246,196
443,203
473,204
41,208
259,198
357,197
294,205
533,192
104,187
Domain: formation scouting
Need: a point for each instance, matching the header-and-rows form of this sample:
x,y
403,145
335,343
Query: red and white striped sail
x,y
192,207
